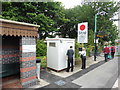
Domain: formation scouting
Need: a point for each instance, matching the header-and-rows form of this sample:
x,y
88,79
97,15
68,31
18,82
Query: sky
x,y
70,3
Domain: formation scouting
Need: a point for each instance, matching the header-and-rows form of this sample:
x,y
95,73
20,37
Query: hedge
x,y
41,48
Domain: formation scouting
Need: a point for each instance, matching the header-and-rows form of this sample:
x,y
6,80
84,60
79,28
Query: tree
x,y
86,13
105,11
49,15
77,15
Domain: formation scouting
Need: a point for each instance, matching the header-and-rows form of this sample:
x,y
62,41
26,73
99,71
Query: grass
x,y
43,61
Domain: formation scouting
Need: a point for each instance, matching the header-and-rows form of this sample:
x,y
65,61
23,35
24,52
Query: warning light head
x,y
82,27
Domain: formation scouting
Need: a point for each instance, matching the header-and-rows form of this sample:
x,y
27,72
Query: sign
x,y
83,32
96,40
28,48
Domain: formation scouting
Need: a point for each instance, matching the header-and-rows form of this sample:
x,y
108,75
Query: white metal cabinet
x,y
56,52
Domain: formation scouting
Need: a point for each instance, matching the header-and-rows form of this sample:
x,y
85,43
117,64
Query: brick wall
x,y
28,61
10,55
10,50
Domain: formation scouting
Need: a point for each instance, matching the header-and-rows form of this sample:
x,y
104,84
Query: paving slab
x,y
48,77
41,83
65,74
90,61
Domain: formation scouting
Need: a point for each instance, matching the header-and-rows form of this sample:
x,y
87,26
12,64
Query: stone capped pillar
x,y
28,62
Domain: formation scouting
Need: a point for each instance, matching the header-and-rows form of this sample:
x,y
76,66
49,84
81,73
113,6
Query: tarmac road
x,y
103,76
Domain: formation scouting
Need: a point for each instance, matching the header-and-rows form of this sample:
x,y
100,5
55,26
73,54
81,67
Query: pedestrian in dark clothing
x,y
82,53
112,51
106,52
70,54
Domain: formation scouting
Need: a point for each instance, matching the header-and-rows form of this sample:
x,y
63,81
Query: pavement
x,y
98,74
90,61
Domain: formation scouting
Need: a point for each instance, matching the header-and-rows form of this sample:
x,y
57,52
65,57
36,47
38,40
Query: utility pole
x,y
95,37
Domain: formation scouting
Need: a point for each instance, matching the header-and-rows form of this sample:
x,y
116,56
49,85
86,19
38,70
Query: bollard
x,y
38,68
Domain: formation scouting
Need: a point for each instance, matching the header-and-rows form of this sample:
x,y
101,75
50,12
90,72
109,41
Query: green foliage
x,y
41,48
87,51
77,46
90,37
49,15
112,34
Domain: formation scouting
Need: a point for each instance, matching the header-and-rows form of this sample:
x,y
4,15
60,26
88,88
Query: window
x,y
52,44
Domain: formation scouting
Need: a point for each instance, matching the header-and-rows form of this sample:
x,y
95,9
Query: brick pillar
x,y
28,62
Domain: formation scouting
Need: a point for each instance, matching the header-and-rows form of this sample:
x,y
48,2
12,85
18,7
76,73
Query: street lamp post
x,y
95,37
95,31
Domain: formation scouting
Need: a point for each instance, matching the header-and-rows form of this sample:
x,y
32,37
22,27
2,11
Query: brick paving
x,y
15,84
11,82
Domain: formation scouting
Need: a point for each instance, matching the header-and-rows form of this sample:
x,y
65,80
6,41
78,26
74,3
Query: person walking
x,y
70,54
106,52
112,51
82,53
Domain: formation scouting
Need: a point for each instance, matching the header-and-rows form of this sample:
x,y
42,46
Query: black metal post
x,y
95,48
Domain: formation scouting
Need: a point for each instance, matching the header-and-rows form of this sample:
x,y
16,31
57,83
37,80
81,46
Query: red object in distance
x,y
82,27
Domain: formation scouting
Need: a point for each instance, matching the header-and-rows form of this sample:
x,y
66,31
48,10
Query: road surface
x,y
103,76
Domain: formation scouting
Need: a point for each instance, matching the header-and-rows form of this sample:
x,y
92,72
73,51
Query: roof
x,y
14,28
21,23
63,39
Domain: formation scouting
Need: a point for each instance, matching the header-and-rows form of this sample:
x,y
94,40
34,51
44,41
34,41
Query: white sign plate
x,y
83,32
28,48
